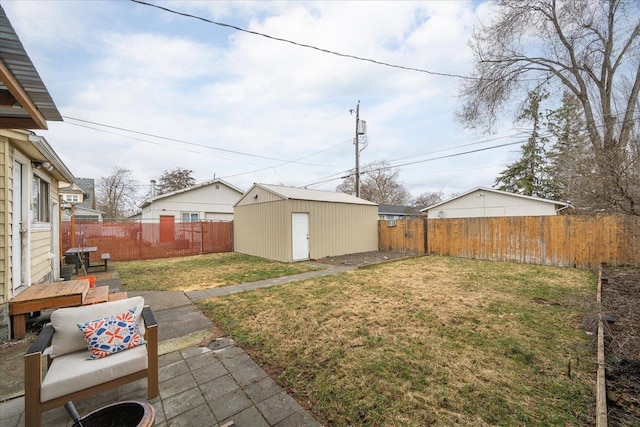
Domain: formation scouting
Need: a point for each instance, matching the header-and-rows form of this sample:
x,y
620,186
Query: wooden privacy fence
x,y
136,240
566,240
406,235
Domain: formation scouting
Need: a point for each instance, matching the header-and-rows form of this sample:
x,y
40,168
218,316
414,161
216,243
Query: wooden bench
x,y
105,257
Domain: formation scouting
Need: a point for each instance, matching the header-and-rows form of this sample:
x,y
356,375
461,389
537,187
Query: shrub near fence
x,y
129,241
566,240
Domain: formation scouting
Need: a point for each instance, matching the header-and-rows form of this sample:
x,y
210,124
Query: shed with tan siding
x,y
295,224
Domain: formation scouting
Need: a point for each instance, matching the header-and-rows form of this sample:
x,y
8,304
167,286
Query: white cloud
x,y
140,68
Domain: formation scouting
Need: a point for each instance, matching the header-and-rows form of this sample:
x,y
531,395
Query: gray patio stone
x,y
200,416
278,407
213,390
212,371
85,406
169,358
172,370
239,362
229,352
12,407
174,323
298,419
193,351
13,420
250,417
176,385
159,412
133,391
133,388
201,360
56,416
230,404
248,375
182,402
262,389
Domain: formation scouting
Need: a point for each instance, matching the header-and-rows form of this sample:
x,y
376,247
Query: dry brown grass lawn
x,y
426,341
202,271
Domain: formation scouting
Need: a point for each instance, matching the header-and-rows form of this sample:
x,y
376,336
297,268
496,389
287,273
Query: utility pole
x,y
360,130
357,151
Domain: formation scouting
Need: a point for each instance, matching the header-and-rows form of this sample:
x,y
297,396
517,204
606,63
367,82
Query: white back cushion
x,y
69,339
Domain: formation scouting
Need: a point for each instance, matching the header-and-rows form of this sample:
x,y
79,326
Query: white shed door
x,y
300,236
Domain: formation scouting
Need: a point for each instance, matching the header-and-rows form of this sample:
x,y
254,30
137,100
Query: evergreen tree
x,y
570,158
530,175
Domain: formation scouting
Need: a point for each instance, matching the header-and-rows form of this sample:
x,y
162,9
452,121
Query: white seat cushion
x,y
68,338
73,372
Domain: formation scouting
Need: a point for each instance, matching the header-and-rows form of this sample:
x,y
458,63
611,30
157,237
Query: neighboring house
x,y
80,193
30,172
391,212
488,202
210,201
295,224
79,199
81,213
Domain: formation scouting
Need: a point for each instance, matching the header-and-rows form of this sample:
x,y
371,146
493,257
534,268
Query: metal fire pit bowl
x,y
121,414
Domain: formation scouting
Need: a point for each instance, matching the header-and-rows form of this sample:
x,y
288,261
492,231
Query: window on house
x,y
40,202
190,216
72,198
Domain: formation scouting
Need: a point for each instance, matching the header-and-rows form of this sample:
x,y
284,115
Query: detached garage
x,y
296,224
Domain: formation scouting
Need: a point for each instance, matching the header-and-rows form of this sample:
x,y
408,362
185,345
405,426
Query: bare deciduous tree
x,y
589,48
380,184
175,180
117,193
427,199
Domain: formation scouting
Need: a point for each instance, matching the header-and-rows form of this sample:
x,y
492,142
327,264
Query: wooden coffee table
x,y
71,293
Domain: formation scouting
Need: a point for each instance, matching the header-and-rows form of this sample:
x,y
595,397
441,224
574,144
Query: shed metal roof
x,y
315,195
25,102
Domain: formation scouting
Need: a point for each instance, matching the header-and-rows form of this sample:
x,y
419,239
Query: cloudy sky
x,y
150,90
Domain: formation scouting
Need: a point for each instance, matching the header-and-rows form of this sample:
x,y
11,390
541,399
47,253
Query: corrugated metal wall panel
x,y
264,229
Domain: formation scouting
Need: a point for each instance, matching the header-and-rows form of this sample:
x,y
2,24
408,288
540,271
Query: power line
x,y
282,162
344,55
350,173
460,146
181,142
416,162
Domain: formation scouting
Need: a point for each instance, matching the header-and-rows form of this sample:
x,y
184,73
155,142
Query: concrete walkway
x,y
324,270
203,381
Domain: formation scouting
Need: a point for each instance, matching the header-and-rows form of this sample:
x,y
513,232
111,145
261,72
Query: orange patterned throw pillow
x,y
111,334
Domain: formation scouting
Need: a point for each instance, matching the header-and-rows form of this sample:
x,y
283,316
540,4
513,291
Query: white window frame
x,y
36,208
190,216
